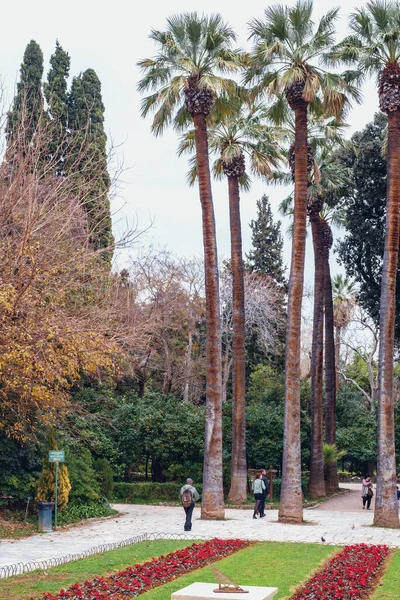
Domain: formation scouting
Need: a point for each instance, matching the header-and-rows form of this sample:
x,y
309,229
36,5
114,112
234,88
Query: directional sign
x,y
56,455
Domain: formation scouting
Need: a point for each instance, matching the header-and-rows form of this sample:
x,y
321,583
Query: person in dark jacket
x,y
266,492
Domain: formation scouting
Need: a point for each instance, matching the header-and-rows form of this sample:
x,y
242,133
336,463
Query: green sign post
x,y
56,456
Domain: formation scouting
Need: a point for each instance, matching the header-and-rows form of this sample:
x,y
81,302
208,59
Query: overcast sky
x,y
111,37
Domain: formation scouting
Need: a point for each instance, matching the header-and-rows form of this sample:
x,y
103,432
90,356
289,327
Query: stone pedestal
x,y
205,591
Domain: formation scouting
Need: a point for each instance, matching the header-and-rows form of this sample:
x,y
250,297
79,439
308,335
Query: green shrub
x,y
85,487
135,493
20,467
74,513
105,475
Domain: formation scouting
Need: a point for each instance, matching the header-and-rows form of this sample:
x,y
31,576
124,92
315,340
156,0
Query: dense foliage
x,y
361,250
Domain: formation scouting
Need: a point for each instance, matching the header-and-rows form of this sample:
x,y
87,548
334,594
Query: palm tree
x,y
374,46
343,290
327,179
287,46
331,474
231,137
326,136
191,52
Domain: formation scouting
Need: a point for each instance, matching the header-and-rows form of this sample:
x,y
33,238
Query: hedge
x,y
135,493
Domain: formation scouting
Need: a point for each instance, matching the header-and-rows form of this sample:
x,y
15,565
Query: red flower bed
x,y
141,577
349,575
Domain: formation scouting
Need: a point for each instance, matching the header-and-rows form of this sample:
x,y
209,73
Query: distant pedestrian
x,y
258,487
188,495
366,492
266,492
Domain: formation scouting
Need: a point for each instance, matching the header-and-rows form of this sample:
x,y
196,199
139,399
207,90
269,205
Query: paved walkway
x,y
336,526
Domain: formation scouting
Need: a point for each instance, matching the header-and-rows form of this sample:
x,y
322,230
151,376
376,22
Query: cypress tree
x,y
55,91
266,253
265,257
89,154
55,88
27,107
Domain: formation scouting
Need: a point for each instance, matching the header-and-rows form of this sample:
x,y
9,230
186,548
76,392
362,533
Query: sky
x,y
110,38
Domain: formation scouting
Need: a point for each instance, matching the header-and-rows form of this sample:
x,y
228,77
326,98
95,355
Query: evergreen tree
x,y
266,257
89,154
361,250
27,108
266,253
55,89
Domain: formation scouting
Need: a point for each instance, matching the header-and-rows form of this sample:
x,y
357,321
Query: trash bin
x,y
45,516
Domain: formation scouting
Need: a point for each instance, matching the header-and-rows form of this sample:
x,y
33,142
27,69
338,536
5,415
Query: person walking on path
x,y
258,487
188,495
266,492
366,492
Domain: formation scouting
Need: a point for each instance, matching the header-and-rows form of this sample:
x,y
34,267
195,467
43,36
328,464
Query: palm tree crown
x,y
192,51
240,130
374,46
344,299
285,57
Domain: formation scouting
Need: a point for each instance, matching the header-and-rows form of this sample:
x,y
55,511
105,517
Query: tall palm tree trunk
x,y
238,489
316,485
291,507
386,506
212,506
338,332
332,481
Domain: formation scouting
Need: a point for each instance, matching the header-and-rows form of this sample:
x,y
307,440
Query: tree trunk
x,y
188,363
226,371
316,485
338,332
332,481
212,506
141,385
386,505
291,507
238,489
167,383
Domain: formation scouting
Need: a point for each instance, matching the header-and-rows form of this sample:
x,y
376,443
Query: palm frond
x,y
191,176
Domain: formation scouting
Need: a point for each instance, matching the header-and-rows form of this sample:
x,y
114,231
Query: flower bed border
x,y
351,574
142,577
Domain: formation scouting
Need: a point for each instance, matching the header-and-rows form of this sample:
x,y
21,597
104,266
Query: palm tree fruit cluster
x,y
294,93
198,100
389,88
236,168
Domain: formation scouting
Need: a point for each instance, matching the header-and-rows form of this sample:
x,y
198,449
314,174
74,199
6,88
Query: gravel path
x,y
350,502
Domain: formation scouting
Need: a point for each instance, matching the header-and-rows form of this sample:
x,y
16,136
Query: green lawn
x,y
283,565
390,584
36,583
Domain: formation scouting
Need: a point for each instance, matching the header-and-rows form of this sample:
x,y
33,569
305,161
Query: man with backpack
x,y
188,496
